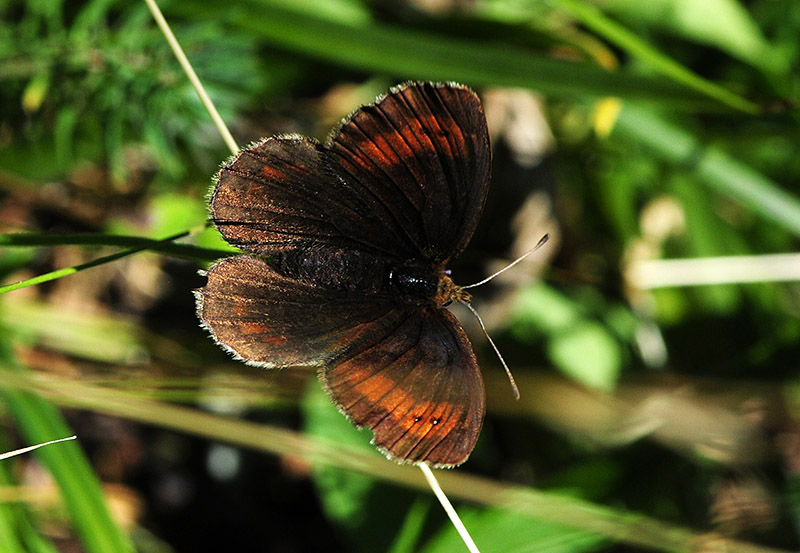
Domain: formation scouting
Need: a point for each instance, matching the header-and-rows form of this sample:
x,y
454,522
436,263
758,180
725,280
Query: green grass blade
x,y
413,525
60,273
497,530
40,421
416,54
727,25
593,18
186,251
17,532
716,168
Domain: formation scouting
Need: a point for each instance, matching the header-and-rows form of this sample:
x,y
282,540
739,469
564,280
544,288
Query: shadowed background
x,y
632,135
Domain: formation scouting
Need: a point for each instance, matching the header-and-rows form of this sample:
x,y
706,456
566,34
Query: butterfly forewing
x,y
405,177
279,193
420,157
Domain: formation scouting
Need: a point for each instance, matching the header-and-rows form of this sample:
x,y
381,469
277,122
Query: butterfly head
x,y
449,292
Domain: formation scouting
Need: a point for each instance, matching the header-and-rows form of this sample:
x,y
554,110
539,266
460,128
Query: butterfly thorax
x,y
413,280
420,281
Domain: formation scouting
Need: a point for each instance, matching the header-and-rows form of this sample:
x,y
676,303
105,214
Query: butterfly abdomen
x,y
332,268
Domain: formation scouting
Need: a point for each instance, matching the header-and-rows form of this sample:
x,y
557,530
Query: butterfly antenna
x,y
541,243
513,382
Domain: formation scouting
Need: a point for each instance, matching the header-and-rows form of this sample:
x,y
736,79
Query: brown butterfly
x,y
348,244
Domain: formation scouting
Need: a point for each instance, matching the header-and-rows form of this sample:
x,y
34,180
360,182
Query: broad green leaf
x,y
711,165
725,24
415,54
496,530
578,346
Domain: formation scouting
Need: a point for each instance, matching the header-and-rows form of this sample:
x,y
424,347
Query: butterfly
x,y
347,244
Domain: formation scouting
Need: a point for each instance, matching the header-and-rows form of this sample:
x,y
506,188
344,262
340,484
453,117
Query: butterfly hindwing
x,y
418,389
267,319
408,374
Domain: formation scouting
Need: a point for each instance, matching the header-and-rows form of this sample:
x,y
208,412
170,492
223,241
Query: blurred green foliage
x,y
103,78
675,128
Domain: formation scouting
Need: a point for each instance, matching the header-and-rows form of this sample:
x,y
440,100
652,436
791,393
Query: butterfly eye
x,y
417,418
435,421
